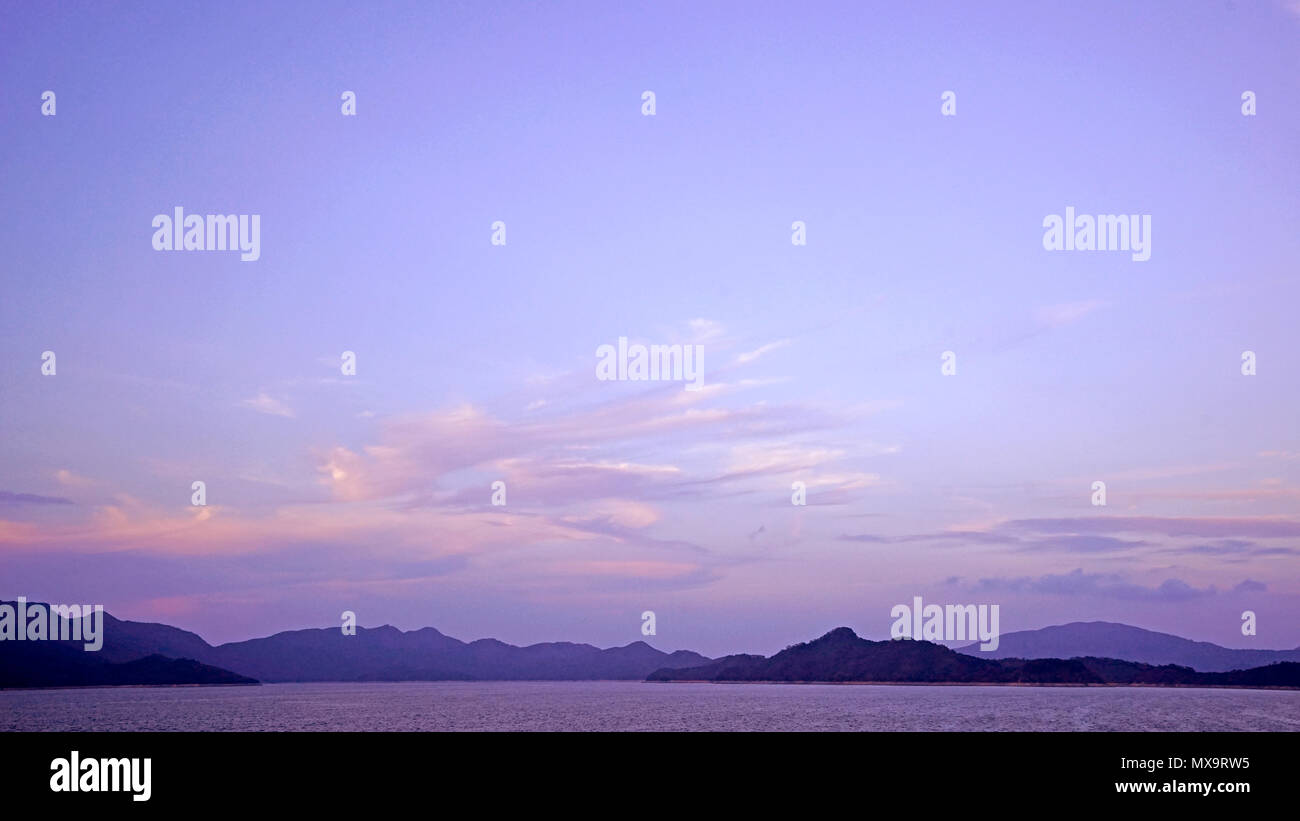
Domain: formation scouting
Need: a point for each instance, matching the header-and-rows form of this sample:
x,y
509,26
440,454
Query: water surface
x,y
611,705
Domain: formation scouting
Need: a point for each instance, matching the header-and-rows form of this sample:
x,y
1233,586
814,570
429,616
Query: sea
x,y
645,706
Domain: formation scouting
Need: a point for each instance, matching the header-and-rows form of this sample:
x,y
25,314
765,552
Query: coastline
x,y
990,684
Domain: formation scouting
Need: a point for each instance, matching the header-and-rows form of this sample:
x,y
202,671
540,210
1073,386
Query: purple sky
x,y
822,363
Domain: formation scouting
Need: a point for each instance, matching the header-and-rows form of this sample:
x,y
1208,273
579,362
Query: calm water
x,y
643,706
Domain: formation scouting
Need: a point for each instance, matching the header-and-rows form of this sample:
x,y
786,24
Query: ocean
x,y
641,706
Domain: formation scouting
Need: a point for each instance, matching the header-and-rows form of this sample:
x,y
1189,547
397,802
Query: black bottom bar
x,y
656,772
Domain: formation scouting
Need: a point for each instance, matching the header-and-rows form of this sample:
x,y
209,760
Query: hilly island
x,y
137,653
841,656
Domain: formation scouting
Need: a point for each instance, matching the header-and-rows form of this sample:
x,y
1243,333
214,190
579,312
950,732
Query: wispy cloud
x,y
1104,585
750,356
9,498
67,477
1056,316
262,403
1247,527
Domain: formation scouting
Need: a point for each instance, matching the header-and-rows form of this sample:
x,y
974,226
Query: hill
x,y
841,656
1122,641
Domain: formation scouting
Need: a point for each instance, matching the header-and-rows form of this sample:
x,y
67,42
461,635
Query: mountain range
x,y
67,664
373,654
1121,641
1083,653
841,656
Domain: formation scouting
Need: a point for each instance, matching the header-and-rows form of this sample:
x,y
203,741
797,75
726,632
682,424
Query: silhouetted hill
x,y
130,640
1121,641
127,640
388,654
841,656
383,654
55,664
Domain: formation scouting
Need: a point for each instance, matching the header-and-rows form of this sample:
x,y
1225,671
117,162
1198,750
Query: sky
x,y
823,362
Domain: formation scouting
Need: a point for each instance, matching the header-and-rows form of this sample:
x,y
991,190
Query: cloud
x,y
1044,320
1285,455
1105,585
1069,543
268,405
129,525
1261,527
1164,472
746,358
970,536
1056,316
1236,549
818,467
67,477
1083,543
614,516
589,488
704,331
1242,495
9,498
1095,535
581,453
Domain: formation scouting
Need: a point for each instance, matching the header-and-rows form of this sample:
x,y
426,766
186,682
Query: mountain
x,y
381,654
841,656
1120,641
129,640
55,664
388,654
1091,653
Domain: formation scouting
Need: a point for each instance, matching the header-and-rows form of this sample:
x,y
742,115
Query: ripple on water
x,y
613,705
